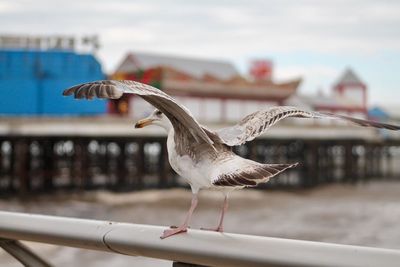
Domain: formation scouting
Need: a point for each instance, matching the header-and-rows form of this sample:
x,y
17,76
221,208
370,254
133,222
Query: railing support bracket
x,y
23,254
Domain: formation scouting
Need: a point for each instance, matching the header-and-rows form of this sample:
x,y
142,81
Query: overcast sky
x,y
316,40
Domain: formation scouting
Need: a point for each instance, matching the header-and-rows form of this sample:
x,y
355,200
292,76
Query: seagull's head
x,y
156,118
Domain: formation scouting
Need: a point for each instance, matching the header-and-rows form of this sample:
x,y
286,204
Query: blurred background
x,y
222,60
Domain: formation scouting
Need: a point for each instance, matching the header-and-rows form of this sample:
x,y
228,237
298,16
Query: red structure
x,y
261,70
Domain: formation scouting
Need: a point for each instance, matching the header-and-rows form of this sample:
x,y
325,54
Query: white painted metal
x,y
23,254
198,247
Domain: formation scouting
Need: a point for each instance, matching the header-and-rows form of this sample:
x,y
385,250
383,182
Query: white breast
x,y
197,174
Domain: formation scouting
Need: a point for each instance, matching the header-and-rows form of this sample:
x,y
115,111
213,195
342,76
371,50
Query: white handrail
x,y
196,246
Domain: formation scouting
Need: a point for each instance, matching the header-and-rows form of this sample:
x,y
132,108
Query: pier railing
x,y
195,247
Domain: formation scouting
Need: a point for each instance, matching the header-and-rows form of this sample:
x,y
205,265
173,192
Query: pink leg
x,y
220,227
184,226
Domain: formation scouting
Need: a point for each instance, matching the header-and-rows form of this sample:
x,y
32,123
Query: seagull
x,y
204,158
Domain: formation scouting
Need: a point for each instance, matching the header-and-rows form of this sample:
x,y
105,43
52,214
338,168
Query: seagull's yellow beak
x,y
144,122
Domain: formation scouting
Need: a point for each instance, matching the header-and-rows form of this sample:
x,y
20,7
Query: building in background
x,y
352,89
348,96
389,114
35,70
212,90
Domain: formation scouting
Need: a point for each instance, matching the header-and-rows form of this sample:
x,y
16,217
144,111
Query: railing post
x,y
48,165
23,254
140,165
80,163
21,166
122,172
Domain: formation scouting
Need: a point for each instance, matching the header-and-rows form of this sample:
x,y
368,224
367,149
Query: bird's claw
x,y
216,229
174,227
173,231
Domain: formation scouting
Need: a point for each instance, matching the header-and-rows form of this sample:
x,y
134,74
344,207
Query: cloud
x,y
233,30
6,7
234,27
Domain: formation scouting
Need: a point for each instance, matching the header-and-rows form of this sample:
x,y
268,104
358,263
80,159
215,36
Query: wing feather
x,y
257,123
112,89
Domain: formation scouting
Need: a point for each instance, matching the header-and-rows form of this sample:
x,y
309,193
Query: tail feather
x,y
258,173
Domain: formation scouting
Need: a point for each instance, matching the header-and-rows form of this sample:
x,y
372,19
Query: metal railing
x,y
195,247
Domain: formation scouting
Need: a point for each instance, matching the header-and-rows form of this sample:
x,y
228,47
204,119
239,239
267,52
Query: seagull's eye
x,y
158,113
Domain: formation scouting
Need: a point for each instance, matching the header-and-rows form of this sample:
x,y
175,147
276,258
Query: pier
x,y
48,154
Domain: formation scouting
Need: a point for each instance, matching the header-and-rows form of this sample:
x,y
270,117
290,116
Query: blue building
x,y
32,81
378,113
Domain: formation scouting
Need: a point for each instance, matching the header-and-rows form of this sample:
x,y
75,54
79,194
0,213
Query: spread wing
x,y
258,122
175,112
